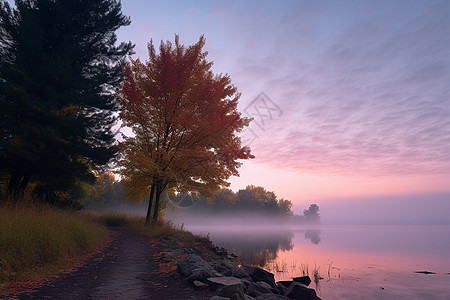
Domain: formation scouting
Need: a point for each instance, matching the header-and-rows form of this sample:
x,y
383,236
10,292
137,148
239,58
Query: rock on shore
x,y
207,266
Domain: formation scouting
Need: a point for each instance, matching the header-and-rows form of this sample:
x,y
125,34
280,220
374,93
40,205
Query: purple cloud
x,y
363,85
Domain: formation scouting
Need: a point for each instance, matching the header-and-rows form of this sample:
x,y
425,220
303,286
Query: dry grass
x,y
304,269
37,240
316,277
33,237
277,266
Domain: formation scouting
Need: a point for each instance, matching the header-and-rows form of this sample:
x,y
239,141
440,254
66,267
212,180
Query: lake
x,y
353,262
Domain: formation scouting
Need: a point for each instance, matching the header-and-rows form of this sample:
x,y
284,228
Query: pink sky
x,y
358,89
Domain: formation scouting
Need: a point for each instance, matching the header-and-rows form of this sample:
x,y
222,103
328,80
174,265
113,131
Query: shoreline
x,y
207,266
187,264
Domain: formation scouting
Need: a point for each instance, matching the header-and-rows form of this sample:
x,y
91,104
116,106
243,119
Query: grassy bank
x,y
162,229
39,241
36,242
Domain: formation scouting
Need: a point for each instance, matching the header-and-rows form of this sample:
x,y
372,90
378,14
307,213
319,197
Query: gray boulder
x,y
285,283
249,286
258,274
263,287
282,288
199,285
255,294
232,291
240,273
219,282
187,265
217,274
299,291
218,298
237,297
226,268
200,251
271,297
200,274
306,280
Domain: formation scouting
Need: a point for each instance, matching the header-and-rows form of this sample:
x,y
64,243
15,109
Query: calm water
x,y
355,262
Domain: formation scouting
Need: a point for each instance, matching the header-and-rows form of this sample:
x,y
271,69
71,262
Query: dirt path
x,y
127,268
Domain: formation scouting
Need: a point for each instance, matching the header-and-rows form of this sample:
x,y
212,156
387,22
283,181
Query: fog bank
x,y
430,209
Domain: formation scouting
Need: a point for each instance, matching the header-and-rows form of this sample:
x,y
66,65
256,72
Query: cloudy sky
x,y
350,99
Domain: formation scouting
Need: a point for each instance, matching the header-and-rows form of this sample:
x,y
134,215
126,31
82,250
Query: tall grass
x,y
34,236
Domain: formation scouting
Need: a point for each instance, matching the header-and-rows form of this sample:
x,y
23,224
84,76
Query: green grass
x,y
33,241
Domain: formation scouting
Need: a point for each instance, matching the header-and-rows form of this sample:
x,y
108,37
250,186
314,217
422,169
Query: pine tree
x,y
59,71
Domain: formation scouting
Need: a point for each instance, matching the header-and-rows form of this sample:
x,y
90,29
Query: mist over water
x,y
427,209
394,210
355,262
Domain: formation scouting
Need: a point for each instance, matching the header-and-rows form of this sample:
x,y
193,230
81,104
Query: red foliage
x,y
184,119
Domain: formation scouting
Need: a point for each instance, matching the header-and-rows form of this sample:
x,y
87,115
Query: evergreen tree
x,y
58,74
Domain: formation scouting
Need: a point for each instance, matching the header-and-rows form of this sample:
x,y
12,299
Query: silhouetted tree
x,y
58,72
311,215
184,119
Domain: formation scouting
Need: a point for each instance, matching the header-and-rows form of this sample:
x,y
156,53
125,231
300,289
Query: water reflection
x,y
259,247
313,236
355,261
254,248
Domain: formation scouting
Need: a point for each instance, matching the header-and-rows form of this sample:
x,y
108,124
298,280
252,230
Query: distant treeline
x,y
253,199
108,195
310,216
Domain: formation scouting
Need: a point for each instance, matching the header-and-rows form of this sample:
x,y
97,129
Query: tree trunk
x,y
150,204
14,182
156,211
25,180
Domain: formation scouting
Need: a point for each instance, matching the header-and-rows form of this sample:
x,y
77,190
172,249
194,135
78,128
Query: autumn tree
x,y
58,73
285,207
184,120
224,200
